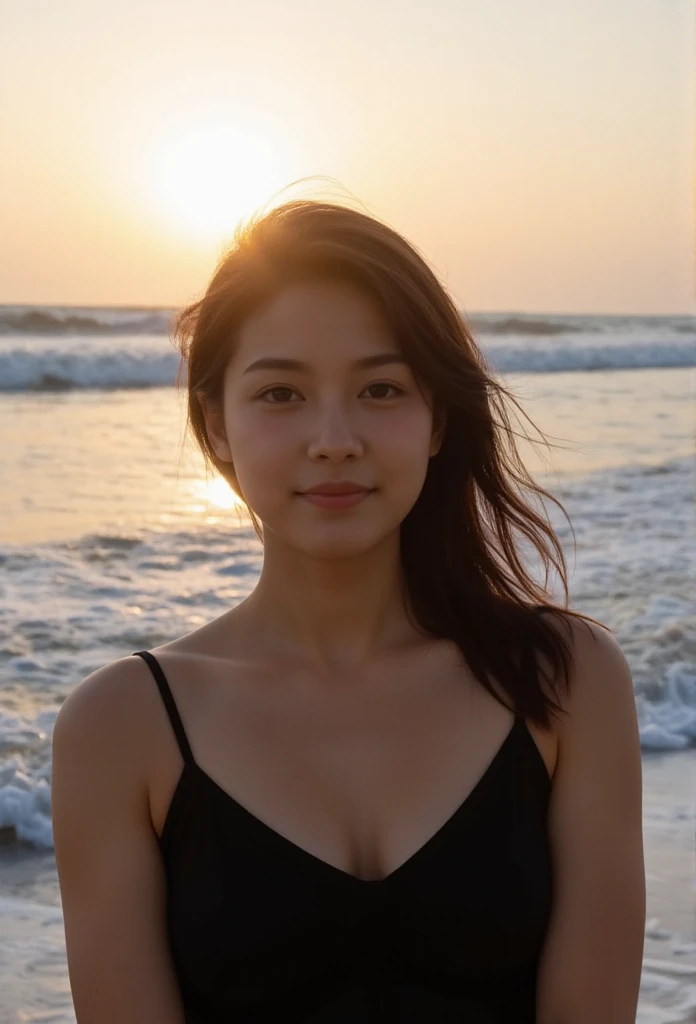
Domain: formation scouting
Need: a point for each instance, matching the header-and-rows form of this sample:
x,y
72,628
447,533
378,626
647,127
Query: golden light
x,y
218,492
207,178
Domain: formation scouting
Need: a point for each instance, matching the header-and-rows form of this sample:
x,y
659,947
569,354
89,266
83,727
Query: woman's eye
x,y
275,391
384,384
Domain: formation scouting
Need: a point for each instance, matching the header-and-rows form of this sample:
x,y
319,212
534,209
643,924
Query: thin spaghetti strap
x,y
169,703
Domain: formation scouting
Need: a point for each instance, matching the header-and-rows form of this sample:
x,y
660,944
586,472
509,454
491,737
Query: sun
x,y
207,178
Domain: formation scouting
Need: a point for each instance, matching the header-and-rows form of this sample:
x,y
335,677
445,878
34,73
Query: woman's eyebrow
x,y
367,362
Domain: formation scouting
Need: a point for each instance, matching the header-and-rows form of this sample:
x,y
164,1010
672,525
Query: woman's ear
x,y
214,420
438,432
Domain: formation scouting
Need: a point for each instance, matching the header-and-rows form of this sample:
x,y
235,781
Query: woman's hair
x,y
463,571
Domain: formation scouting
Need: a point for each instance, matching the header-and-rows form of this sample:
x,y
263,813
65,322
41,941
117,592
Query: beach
x,y
112,540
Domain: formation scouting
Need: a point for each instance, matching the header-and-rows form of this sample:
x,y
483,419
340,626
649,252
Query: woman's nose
x,y
334,436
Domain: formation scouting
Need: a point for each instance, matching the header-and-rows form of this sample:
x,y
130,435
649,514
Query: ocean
x,y
112,540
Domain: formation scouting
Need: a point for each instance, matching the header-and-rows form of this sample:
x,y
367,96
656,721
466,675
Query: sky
x,y
539,153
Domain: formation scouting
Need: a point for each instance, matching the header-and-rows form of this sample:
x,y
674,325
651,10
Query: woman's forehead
x,y
317,325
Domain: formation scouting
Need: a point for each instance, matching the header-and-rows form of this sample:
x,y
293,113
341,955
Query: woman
x,y
396,782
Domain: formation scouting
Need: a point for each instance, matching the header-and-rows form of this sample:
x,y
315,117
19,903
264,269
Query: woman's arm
x,y
591,964
109,866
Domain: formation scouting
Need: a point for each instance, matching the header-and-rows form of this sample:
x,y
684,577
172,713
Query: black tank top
x,y
262,930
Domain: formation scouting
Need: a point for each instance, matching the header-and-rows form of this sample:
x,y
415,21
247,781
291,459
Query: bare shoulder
x,y
109,711
99,749
600,695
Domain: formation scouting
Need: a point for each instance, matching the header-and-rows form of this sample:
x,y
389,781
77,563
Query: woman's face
x,y
302,406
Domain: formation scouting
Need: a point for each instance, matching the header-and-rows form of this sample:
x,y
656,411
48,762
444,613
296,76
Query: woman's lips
x,y
337,501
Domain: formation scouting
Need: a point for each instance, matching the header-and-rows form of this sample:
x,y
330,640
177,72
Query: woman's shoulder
x,y
103,723
102,695
600,679
120,697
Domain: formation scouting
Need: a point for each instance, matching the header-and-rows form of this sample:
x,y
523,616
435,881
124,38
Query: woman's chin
x,y
331,541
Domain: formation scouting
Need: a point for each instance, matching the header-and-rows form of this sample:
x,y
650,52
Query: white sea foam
x,y
50,349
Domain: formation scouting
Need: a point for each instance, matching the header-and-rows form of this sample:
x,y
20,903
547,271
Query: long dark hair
x,y
461,542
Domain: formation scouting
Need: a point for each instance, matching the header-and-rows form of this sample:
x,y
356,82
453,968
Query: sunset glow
x,y
542,160
219,493
206,179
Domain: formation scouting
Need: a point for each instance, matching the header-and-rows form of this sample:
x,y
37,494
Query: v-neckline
x,y
301,853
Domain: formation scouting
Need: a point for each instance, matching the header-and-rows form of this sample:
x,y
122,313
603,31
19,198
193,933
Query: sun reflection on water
x,y
218,492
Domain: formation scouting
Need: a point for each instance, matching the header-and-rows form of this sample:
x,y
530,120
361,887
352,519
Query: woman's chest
x,y
250,912
359,775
